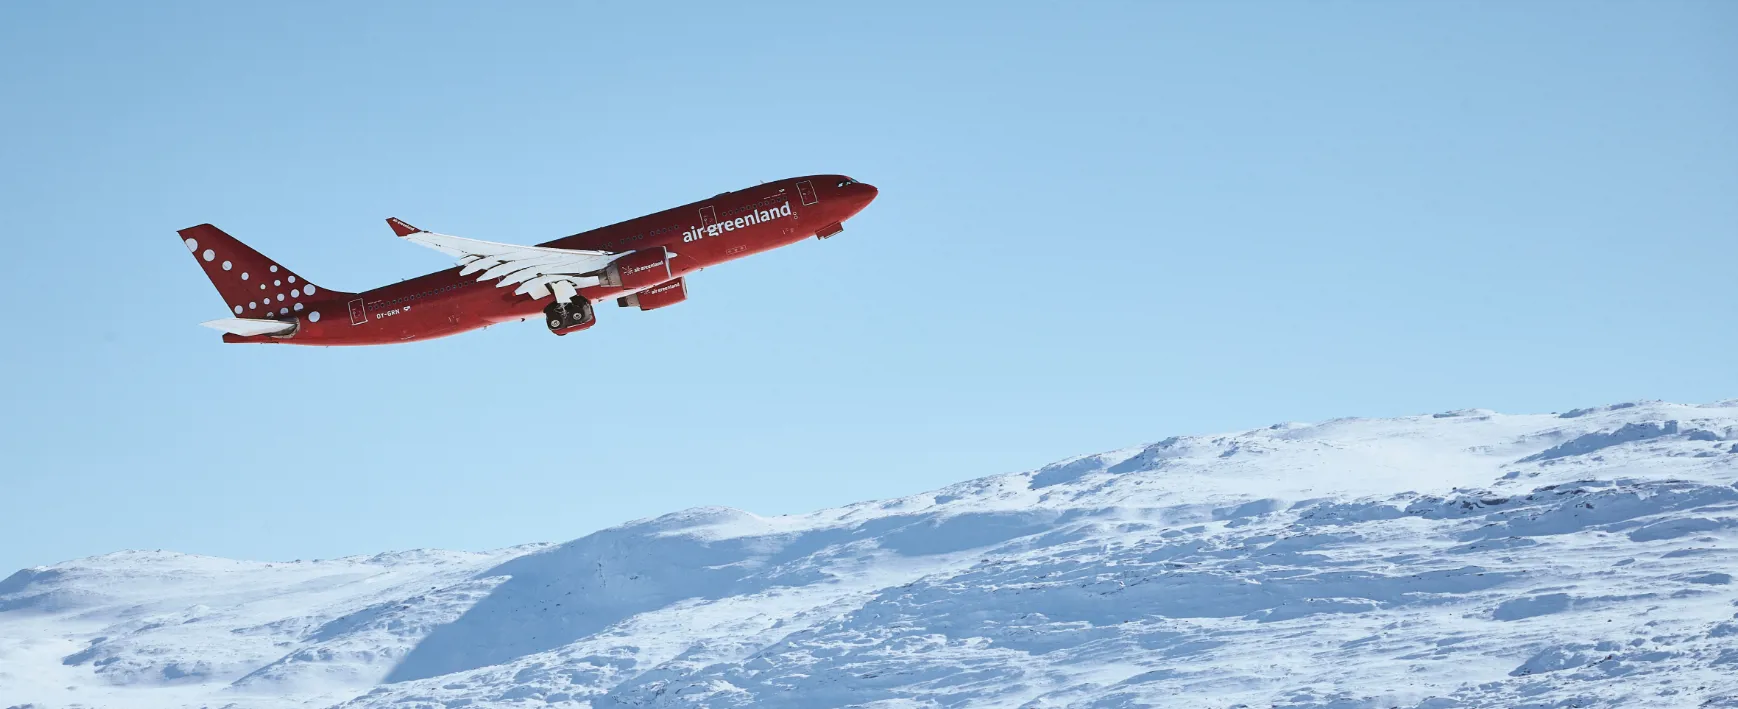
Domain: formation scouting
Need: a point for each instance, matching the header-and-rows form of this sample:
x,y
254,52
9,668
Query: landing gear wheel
x,y
555,315
562,317
579,313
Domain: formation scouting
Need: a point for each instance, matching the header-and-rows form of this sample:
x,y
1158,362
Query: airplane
x,y
641,263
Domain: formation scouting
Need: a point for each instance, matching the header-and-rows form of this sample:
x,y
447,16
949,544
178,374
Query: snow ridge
x,y
1462,559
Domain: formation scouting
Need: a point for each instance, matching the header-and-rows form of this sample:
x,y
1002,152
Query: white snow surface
x,y
1464,559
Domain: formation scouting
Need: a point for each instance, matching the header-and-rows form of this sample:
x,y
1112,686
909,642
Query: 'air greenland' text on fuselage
x,y
750,219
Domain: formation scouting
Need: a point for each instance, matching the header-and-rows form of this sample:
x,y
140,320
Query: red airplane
x,y
640,262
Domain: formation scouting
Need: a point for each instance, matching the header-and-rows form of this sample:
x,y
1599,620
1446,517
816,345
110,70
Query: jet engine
x,y
657,296
638,269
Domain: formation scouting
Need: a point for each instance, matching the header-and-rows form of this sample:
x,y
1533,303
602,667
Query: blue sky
x,y
1098,226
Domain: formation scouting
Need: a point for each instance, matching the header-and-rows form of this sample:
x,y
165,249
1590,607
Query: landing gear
x,y
563,316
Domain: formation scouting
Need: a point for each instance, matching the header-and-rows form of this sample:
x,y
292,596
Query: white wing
x,y
537,270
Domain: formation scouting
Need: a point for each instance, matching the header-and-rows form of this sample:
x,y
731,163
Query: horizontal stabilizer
x,y
249,327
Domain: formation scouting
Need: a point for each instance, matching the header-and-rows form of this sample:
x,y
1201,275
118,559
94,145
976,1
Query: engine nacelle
x,y
638,269
657,296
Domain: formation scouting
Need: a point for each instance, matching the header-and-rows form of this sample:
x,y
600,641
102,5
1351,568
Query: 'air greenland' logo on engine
x,y
750,219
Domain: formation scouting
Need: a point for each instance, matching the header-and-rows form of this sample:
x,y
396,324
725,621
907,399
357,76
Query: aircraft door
x,y
806,191
708,217
358,312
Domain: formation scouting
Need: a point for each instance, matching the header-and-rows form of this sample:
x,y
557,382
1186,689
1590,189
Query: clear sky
x,y
1099,225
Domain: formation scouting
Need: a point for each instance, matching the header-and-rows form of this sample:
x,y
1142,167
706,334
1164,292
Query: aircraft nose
x,y
866,194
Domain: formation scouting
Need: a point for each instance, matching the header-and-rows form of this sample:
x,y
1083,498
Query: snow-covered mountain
x,y
1463,559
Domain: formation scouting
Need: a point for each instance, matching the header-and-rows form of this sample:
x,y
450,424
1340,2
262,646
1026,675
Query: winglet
x,y
400,228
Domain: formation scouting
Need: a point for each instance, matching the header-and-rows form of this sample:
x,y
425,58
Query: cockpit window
x,y
847,181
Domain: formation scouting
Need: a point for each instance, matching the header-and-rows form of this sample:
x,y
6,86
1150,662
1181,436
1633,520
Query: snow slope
x,y
1465,559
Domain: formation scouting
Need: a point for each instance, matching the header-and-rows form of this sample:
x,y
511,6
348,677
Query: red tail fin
x,y
254,286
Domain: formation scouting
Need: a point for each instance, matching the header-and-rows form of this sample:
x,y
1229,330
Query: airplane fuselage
x,y
701,234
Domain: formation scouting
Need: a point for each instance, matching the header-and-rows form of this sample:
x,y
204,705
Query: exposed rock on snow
x,y
1463,559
